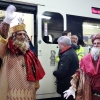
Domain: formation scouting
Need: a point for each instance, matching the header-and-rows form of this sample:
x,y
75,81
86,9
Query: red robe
x,y
89,78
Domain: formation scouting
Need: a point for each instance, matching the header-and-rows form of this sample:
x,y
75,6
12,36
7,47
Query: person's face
x,y
61,46
21,35
69,35
74,40
96,43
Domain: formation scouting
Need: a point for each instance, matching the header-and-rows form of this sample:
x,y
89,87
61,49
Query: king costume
x,y
20,71
86,80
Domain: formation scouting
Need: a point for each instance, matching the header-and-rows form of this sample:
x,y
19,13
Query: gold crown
x,y
17,28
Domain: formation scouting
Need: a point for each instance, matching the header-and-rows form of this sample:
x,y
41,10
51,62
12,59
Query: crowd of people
x,y
74,43
84,84
77,75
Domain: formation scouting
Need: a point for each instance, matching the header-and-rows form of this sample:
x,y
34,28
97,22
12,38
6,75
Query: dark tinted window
x,y
52,26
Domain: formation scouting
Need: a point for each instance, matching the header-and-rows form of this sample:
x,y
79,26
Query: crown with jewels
x,y
20,27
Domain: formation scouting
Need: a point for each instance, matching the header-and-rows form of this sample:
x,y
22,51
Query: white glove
x,y
69,92
9,16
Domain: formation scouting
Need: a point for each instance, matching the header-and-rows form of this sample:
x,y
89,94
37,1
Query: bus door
x,y
50,26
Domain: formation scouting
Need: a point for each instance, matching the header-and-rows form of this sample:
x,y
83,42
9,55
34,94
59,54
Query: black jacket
x,y
67,66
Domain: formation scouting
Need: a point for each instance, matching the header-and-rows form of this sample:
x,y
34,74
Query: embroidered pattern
x,y
18,86
21,94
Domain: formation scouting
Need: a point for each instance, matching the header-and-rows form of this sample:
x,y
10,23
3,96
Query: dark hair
x,y
46,39
55,41
65,32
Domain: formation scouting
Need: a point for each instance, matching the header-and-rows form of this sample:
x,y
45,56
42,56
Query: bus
x,y
48,19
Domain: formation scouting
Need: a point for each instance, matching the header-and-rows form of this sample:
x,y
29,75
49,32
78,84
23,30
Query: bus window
x,y
52,27
89,29
83,27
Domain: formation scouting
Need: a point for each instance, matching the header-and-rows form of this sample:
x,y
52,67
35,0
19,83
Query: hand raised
x,y
9,16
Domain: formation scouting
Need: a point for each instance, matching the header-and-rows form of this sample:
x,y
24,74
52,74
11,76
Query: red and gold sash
x,y
34,69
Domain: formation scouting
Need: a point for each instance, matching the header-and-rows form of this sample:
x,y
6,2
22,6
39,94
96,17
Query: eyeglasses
x,y
20,34
98,43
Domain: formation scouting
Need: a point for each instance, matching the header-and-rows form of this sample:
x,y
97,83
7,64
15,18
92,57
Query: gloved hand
x,y
9,16
69,92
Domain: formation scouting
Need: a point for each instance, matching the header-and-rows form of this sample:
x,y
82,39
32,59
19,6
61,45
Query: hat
x,y
97,36
17,28
20,27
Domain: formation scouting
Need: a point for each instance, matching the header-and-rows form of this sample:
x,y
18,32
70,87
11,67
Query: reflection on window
x,y
52,26
89,29
50,38
83,27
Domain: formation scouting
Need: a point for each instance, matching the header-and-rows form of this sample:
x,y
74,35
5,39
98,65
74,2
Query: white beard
x,y
22,45
95,53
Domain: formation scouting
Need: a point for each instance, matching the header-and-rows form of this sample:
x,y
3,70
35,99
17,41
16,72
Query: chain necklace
x,y
23,64
23,61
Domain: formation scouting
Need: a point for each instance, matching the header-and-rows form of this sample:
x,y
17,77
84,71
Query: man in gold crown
x,y
20,69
